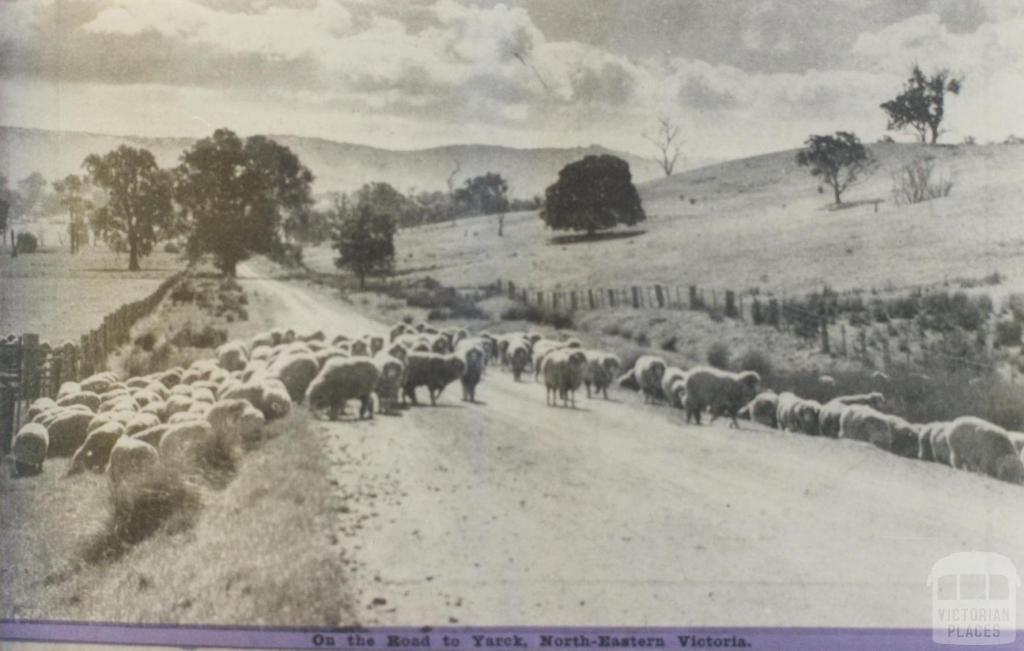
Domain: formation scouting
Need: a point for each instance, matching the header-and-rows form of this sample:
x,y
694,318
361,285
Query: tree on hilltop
x,y
838,159
921,105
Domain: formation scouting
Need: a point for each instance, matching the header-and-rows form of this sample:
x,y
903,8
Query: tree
x,y
73,195
31,193
668,144
485,195
234,195
592,194
8,199
921,105
839,159
384,199
365,240
138,204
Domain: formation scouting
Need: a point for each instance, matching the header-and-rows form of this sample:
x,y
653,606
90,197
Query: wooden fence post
x,y
694,299
824,336
842,331
590,297
611,298
30,385
659,295
573,298
730,303
636,297
511,290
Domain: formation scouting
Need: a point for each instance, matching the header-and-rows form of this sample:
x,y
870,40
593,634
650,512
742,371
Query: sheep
x,y
979,446
806,416
600,371
827,381
68,430
673,386
875,400
315,336
397,331
828,421
274,399
762,409
784,411
342,380
330,352
94,453
98,383
176,404
86,398
68,389
721,391
432,370
940,443
926,441
863,423
130,455
29,449
152,435
202,395
473,360
649,370
235,421
906,440
563,375
143,397
139,422
40,406
540,350
232,356
519,358
359,349
158,409
181,441
391,371
296,371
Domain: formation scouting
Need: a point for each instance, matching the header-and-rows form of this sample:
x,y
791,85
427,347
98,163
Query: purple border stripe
x,y
797,639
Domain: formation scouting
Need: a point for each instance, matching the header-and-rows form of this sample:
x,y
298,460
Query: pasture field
x,y
60,296
756,222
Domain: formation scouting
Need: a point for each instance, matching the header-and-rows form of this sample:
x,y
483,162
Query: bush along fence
x,y
843,324
31,369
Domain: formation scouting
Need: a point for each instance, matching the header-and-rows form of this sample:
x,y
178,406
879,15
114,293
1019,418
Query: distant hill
x,y
338,166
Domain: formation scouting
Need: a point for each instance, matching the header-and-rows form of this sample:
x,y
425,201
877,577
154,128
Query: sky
x,y
738,77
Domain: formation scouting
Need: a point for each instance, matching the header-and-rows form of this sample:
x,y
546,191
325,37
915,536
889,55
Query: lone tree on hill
x,y
668,144
921,105
365,240
138,204
234,196
592,194
73,195
839,159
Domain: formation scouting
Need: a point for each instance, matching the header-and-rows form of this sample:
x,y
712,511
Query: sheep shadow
x,y
594,237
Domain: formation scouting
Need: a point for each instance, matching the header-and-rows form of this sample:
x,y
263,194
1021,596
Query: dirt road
x,y
511,512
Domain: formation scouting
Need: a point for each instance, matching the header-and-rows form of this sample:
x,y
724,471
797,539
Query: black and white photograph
x,y
534,324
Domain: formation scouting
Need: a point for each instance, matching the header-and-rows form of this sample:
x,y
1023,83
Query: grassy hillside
x,y
758,222
337,166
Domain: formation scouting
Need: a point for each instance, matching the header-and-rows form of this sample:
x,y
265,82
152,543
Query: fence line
x,y
31,369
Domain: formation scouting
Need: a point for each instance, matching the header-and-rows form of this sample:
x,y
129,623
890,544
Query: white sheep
x,y
29,449
342,380
130,455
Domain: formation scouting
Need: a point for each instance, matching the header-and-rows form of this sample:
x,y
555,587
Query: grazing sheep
x,y
398,331
762,409
563,375
473,361
40,406
29,449
649,369
143,397
330,352
68,430
540,350
979,446
98,383
181,441
720,391
433,371
185,417
177,404
152,435
86,398
342,380
232,356
785,414
359,348
68,389
139,422
274,399
673,386
391,371
906,440
864,423
158,409
228,419
519,358
827,381
875,400
130,456
315,336
135,383
94,453
202,395
828,421
806,416
600,371
296,371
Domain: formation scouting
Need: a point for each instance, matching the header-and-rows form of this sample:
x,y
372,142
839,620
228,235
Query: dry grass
x,y
61,297
260,552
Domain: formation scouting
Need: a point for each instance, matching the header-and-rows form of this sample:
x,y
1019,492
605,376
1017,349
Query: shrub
x,y
27,243
172,247
943,311
1008,333
183,292
146,341
160,499
670,344
718,355
535,314
913,183
756,360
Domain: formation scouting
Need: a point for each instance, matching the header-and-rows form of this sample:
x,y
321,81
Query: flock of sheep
x,y
125,427
966,443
